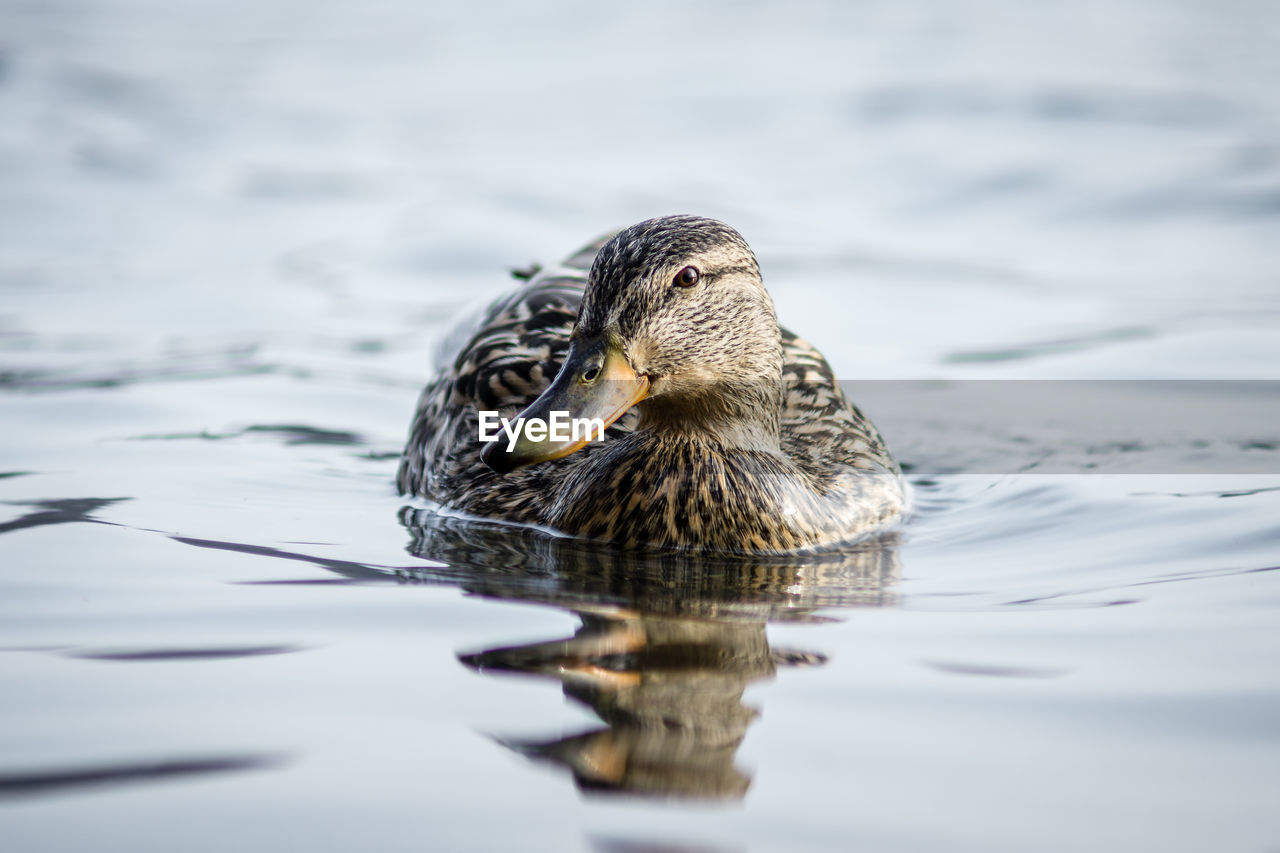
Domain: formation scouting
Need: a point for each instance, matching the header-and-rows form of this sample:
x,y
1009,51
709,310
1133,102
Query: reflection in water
x,y
669,691
72,778
221,653
667,646
63,511
289,434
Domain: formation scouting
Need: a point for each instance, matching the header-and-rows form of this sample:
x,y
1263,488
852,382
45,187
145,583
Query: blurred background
x,y
947,180
232,232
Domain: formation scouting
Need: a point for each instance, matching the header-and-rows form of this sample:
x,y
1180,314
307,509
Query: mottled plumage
x,y
744,442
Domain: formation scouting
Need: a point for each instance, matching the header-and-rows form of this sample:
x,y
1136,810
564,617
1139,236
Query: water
x,y
232,233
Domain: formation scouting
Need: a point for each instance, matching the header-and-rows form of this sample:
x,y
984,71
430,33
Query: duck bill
x,y
595,386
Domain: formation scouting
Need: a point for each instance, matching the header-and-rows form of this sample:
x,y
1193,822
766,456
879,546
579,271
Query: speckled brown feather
x,y
829,480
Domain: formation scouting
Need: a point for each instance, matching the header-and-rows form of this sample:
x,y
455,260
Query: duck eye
x,y
687,277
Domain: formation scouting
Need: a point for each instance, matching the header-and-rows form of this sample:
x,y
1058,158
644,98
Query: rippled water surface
x,y
231,235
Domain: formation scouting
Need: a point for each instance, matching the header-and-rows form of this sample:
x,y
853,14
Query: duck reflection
x,y
669,691
667,645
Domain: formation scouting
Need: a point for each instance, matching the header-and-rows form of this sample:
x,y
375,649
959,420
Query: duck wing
x,y
821,429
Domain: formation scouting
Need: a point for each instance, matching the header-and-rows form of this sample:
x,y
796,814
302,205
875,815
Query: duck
x,y
710,428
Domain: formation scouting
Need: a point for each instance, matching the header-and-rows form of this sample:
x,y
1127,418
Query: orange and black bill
x,y
596,384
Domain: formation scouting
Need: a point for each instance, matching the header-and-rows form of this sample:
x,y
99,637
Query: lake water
x,y
232,233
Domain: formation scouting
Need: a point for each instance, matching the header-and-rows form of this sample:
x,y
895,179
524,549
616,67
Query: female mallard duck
x,y
740,441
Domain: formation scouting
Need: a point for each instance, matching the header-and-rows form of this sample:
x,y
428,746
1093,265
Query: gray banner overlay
x,y
1076,426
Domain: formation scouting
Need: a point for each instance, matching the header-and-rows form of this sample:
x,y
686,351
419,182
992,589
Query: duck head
x,y
675,320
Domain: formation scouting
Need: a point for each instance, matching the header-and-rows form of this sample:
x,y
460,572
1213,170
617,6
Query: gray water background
x,y
231,234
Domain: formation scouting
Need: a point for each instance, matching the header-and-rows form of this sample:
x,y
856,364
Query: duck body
x,y
725,433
